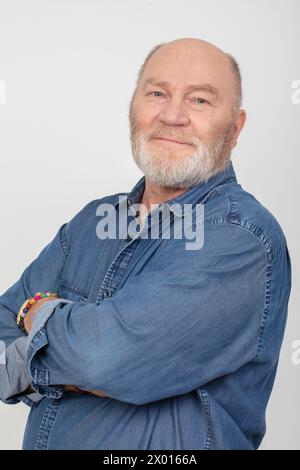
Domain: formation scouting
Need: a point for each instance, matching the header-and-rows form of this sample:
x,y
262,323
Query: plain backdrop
x,y
69,68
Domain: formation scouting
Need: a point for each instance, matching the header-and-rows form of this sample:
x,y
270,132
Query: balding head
x,y
191,45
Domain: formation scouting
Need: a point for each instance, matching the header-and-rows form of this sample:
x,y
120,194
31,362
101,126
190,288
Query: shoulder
x,y
248,214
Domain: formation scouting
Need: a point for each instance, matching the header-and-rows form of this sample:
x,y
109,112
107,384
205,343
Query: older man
x,y
153,344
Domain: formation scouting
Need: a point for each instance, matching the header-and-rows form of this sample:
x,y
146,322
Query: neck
x,y
155,194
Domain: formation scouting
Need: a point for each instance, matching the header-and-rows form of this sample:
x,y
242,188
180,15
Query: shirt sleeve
x,y
36,340
42,274
14,378
164,333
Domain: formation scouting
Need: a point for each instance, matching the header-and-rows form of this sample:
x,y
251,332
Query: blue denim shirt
x,y
185,343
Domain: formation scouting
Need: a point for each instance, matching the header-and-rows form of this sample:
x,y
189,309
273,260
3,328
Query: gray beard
x,y
184,172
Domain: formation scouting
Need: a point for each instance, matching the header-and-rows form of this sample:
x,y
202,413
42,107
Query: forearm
x,y
15,381
28,321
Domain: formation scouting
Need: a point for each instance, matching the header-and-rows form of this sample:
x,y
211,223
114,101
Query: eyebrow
x,y
197,87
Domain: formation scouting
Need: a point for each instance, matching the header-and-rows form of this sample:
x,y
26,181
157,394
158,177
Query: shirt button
x,y
107,293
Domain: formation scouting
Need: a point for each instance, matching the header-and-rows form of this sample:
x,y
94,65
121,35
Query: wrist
x,y
31,305
29,317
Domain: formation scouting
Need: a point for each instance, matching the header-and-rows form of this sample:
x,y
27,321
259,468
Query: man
x,y
153,343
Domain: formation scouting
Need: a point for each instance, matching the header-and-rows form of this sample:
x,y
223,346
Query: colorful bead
x,y
28,304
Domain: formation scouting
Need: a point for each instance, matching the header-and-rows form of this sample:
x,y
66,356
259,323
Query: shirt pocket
x,y
71,290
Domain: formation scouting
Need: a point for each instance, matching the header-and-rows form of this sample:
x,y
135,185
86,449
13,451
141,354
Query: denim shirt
x,y
184,343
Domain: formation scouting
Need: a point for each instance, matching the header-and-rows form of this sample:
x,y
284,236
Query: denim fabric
x,y
14,377
185,343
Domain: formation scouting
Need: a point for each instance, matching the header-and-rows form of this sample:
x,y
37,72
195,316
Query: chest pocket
x,y
72,291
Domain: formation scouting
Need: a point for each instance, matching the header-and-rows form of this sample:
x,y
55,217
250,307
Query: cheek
x,y
208,125
202,128
143,117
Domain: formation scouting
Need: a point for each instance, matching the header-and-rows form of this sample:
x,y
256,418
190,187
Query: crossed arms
x,y
160,335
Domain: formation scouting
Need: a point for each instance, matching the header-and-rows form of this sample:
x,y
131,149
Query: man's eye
x,y
159,93
200,100
151,93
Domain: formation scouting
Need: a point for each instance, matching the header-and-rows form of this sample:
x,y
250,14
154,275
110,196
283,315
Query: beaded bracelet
x,y
28,304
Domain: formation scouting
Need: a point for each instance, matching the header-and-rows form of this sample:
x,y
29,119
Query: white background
x,y
69,68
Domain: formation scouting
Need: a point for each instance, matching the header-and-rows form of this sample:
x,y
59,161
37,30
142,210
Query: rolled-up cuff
x,y
36,340
14,377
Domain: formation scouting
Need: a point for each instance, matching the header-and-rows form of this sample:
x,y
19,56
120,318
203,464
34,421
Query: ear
x,y
238,126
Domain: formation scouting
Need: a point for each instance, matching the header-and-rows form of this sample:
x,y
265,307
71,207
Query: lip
x,y
171,140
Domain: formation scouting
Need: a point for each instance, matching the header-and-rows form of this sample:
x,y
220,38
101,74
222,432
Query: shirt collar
x,y
196,194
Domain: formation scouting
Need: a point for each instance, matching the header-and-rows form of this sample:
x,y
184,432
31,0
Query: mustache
x,y
137,131
171,135
223,132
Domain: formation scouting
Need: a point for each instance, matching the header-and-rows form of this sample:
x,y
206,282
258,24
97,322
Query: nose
x,y
173,113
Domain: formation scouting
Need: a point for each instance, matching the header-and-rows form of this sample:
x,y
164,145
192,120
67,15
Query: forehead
x,y
186,69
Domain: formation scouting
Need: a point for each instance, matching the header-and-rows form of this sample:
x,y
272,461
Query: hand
x,y
98,393
74,389
29,317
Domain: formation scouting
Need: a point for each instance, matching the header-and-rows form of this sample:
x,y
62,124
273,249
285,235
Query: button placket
x,y
115,272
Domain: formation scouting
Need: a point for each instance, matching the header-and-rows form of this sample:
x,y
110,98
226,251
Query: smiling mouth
x,y
170,141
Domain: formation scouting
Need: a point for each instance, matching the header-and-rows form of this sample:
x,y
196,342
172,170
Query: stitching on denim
x,y
56,391
252,228
29,402
47,424
215,220
206,406
72,286
63,239
265,315
137,192
218,188
109,275
258,232
41,333
117,274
